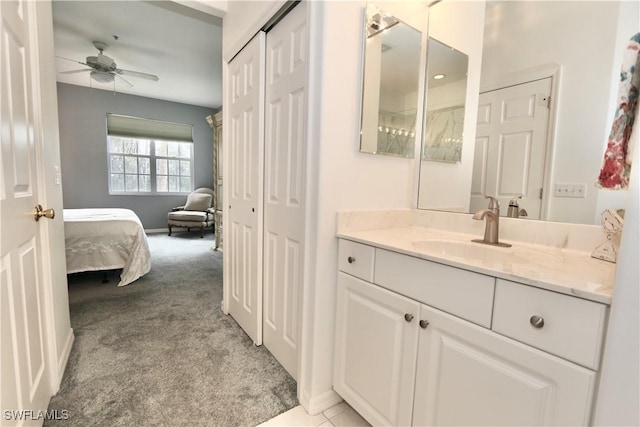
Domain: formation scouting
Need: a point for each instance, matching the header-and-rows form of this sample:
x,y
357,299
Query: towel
x,y
616,166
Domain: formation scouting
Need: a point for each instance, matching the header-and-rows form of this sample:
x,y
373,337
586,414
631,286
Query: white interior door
x,y
284,185
25,378
511,141
243,227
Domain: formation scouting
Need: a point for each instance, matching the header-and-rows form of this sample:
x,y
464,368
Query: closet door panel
x,y
284,183
246,141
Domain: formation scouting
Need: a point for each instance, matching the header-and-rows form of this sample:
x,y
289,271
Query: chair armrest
x,y
178,208
211,210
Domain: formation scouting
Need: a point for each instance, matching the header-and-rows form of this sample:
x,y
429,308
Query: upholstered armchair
x,y
196,213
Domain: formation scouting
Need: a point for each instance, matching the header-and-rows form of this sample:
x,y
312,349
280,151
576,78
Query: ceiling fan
x,y
104,69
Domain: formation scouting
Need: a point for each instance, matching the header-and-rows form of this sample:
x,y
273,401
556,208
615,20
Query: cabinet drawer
x,y
459,292
568,327
356,259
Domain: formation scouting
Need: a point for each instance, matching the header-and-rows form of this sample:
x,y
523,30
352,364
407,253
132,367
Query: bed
x,y
106,239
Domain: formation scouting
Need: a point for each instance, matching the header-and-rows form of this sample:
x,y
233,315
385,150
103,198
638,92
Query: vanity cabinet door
x,y
376,346
467,375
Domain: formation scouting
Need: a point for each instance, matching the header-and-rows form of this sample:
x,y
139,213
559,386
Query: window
x,y
143,161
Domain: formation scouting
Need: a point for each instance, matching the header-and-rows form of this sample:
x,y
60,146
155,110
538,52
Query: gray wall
x,y
83,149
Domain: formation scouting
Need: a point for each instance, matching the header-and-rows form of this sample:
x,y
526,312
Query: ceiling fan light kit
x,y
102,76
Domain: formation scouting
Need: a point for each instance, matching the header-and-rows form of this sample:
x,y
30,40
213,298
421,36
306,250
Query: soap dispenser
x,y
514,209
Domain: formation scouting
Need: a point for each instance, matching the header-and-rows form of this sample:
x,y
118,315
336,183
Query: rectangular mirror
x,y
391,70
446,93
546,75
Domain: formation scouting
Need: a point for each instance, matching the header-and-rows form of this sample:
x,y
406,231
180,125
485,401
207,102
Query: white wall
x,y
618,401
466,36
342,177
581,37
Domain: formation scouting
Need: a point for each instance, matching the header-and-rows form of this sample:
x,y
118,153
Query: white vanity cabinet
x,y
399,360
468,375
377,342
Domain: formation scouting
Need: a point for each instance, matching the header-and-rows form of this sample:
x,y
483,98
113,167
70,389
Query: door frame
x,y
553,71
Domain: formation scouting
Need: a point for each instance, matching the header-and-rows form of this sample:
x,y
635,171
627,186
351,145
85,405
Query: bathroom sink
x,y
472,251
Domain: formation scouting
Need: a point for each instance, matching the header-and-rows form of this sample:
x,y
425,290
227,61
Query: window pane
x,y
131,183
173,184
145,183
185,150
185,168
162,185
161,148
174,167
144,147
185,184
173,149
161,167
115,144
131,146
117,164
117,182
130,164
144,165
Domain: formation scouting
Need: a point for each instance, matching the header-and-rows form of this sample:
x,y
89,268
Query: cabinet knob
x,y
537,321
424,324
351,260
408,317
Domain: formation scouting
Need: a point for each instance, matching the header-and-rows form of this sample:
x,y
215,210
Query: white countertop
x,y
561,270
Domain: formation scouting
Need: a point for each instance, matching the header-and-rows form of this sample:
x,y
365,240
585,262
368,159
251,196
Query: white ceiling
x,y
181,45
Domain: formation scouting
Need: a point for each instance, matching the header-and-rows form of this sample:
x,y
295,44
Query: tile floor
x,y
340,415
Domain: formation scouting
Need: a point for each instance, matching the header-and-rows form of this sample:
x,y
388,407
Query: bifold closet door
x,y
284,184
243,232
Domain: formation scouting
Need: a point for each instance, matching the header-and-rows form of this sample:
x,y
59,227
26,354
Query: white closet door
x,y
243,230
284,184
511,141
25,373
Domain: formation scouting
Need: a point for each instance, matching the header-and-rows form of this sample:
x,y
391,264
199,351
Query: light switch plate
x,y
575,190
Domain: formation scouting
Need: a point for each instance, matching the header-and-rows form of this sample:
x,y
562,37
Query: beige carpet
x,y
161,352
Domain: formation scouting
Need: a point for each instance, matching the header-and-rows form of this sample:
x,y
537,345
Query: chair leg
x,y
202,231
169,229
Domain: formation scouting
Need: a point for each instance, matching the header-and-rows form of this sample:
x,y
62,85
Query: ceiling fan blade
x,y
75,71
138,74
72,60
124,80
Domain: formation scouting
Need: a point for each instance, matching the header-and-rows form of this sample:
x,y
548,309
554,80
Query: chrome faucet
x,y
514,210
492,216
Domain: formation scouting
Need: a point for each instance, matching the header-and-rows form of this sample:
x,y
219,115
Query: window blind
x,y
145,128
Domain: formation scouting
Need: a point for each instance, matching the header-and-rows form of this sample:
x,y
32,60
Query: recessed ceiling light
x,y
439,76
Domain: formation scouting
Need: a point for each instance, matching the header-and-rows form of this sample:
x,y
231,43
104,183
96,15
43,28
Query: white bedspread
x,y
106,239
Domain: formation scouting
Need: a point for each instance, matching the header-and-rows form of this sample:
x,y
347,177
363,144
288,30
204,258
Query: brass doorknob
x,y
39,213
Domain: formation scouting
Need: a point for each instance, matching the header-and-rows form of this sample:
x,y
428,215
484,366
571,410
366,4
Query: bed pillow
x,y
198,202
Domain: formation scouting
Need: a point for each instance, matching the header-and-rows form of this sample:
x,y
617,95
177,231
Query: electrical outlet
x,y
578,190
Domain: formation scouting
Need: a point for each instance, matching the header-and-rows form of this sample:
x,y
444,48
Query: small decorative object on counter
x,y
612,224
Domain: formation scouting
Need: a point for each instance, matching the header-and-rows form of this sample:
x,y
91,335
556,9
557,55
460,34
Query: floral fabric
x,y
616,166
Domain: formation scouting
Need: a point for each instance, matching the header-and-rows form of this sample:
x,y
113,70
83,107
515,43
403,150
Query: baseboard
x,y
64,359
320,403
156,230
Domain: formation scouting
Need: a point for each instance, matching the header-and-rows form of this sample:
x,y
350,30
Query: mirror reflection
x,y
446,92
390,85
548,77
